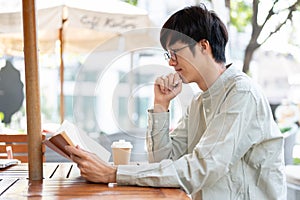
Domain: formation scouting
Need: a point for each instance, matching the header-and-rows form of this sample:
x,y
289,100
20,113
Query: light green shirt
x,y
227,146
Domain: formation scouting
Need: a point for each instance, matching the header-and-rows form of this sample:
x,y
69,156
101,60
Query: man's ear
x,y
204,44
199,46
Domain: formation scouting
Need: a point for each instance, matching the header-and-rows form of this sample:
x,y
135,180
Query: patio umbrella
x,y
79,25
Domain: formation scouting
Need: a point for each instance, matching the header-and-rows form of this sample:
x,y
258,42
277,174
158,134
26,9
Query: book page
x,y
79,137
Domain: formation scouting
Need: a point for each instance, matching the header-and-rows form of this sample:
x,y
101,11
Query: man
x,y
226,146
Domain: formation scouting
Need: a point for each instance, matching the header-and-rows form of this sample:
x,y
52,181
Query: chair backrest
x,y
19,146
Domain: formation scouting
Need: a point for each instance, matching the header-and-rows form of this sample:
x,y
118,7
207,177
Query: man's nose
x,y
172,62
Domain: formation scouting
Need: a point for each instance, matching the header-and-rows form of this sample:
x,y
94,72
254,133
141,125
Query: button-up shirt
x,y
226,146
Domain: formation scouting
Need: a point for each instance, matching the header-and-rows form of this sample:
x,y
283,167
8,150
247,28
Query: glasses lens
x,y
170,55
167,56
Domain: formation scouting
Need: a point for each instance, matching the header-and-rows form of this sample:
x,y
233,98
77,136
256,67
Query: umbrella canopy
x,y
11,29
86,24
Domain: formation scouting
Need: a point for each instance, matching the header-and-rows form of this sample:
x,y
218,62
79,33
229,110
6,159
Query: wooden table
x,y
63,181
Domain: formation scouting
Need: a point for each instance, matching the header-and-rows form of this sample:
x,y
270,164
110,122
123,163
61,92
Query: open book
x,y
69,134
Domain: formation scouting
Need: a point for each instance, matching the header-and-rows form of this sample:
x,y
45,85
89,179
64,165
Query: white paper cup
x,y
121,151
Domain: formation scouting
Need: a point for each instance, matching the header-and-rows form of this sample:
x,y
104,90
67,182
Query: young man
x,y
226,146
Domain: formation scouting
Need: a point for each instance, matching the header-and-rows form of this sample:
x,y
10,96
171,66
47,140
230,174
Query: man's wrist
x,y
113,178
160,108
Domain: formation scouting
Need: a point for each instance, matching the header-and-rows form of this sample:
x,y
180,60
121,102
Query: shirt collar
x,y
221,83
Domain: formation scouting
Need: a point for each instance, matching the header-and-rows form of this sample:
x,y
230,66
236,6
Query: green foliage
x,y
296,161
285,129
132,2
240,14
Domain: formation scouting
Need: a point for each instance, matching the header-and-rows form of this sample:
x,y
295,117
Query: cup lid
x,y
121,144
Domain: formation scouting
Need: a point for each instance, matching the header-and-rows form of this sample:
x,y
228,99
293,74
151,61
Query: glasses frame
x,y
171,54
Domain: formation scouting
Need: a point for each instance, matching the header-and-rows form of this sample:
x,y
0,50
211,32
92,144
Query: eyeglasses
x,y
171,54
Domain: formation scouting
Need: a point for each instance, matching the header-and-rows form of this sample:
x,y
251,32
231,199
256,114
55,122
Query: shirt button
x,y
207,110
156,121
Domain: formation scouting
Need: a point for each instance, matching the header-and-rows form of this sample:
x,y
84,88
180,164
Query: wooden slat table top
x,y
63,181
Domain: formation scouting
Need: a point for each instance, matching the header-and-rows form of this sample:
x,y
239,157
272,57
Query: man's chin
x,y
183,79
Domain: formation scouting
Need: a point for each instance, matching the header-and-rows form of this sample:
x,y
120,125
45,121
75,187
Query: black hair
x,y
192,24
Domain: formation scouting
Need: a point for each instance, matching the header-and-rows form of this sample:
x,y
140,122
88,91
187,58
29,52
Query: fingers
x,y
177,80
168,83
160,83
75,151
80,155
77,155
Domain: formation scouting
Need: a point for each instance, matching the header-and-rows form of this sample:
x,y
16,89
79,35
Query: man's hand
x,y
165,89
91,167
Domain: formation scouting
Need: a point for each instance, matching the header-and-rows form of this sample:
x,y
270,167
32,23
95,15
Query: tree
x,y
277,9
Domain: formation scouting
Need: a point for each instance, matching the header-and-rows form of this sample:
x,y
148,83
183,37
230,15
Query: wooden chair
x,y
19,146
